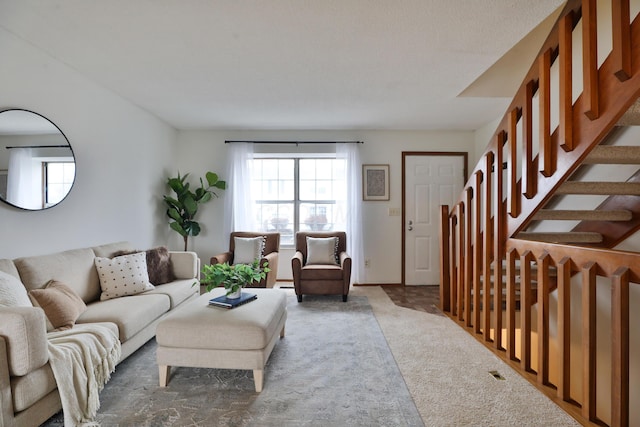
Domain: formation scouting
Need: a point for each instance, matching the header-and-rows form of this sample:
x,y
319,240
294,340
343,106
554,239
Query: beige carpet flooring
x,y
447,372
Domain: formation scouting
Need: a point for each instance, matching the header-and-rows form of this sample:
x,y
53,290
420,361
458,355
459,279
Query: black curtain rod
x,y
37,146
297,142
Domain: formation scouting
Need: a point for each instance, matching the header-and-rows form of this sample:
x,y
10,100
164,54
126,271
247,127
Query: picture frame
x,y
375,182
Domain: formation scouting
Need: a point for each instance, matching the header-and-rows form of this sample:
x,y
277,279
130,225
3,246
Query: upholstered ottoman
x,y
203,336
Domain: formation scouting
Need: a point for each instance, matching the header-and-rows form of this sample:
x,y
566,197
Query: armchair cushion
x,y
248,249
322,250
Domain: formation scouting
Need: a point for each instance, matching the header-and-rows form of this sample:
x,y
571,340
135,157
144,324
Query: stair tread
x,y
583,215
561,237
599,188
612,154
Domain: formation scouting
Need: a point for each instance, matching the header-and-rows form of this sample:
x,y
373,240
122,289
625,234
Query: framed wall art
x,y
375,182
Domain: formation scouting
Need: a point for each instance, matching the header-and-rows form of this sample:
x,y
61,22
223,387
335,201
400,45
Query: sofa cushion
x,y
247,249
123,275
28,389
7,266
131,314
322,250
75,268
61,305
23,329
12,292
178,291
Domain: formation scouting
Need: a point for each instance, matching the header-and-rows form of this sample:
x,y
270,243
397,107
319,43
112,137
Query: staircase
x,y
534,238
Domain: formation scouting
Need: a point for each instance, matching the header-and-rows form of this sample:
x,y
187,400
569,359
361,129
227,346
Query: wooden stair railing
x,y
522,168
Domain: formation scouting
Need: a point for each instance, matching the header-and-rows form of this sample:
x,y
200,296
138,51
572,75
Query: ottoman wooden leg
x,y
163,374
258,378
282,333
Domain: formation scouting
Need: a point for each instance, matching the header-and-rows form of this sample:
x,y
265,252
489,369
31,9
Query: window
x,y
58,179
298,194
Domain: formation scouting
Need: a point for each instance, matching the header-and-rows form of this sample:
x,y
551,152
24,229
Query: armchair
x,y
270,255
315,278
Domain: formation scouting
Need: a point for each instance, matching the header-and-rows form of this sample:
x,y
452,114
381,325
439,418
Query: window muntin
x,y
298,194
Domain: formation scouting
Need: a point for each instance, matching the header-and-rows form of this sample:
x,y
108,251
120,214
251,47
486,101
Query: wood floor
x,y
421,298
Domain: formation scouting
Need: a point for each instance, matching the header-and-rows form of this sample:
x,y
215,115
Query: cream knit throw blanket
x,y
82,360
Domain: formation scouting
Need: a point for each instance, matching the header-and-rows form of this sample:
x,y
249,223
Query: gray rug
x,y
333,368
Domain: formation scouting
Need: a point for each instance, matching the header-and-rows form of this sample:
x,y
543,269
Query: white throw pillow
x,y
322,250
13,292
123,275
247,249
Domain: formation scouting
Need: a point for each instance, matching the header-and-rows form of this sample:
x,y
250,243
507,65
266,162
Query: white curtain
x,y
239,198
23,185
353,183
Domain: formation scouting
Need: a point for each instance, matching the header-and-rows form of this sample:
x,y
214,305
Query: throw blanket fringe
x,y
82,360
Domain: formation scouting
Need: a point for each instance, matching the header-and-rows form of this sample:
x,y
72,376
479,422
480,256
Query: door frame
x,y
405,154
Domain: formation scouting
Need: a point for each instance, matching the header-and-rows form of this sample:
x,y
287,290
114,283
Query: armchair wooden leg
x,y
344,298
299,298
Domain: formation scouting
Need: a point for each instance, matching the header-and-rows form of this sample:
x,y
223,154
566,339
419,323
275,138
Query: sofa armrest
x,y
185,265
24,331
221,258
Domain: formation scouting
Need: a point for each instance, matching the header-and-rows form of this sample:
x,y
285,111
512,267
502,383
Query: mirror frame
x,y
70,149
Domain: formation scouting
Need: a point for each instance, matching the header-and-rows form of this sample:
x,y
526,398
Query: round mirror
x,y
37,166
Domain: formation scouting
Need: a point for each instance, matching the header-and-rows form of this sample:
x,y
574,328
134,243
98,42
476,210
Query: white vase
x,y
235,295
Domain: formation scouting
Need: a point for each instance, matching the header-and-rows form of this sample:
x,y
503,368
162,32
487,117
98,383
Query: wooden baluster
x,y
525,310
589,341
461,259
499,239
621,39
511,303
454,265
445,278
565,125
543,318
468,258
529,179
488,238
564,328
590,59
512,164
547,154
478,256
620,347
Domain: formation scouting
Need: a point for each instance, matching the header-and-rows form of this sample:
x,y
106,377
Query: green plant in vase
x,y
233,277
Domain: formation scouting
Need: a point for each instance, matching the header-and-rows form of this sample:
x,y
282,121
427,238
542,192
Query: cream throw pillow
x,y
60,303
123,275
322,250
248,249
12,292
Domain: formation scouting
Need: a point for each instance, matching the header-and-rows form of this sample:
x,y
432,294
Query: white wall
x,y
123,155
202,151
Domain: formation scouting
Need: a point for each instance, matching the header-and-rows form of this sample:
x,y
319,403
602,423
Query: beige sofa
x,y
28,392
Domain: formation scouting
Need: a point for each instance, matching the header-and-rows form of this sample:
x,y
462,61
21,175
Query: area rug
x,y
333,368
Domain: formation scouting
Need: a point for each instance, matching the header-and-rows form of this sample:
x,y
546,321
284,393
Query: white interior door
x,y
430,181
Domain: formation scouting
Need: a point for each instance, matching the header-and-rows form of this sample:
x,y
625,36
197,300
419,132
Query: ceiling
x,y
295,64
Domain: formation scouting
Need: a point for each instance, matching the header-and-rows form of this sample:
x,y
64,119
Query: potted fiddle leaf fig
x,y
183,207
233,277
